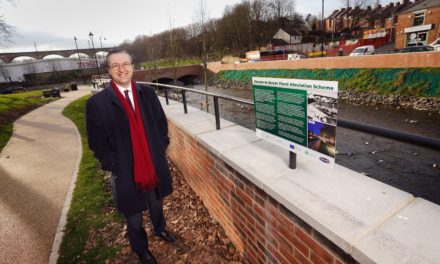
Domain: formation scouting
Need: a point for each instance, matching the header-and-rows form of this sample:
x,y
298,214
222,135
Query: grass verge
x,y
91,208
13,106
166,63
424,82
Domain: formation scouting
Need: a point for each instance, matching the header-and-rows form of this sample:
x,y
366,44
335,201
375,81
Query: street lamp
x,y
79,58
94,52
100,41
322,30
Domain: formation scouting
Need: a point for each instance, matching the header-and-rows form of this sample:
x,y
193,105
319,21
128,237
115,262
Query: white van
x,y
363,50
436,44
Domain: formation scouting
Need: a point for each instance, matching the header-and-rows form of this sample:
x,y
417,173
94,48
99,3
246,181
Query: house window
x,y
419,18
417,38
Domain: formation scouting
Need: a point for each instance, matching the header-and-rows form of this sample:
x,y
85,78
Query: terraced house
x,y
418,24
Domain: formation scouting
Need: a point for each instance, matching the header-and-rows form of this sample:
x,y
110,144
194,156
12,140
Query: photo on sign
x,y
322,138
322,108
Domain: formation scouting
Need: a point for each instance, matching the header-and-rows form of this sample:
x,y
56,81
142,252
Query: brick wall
x,y
397,60
263,230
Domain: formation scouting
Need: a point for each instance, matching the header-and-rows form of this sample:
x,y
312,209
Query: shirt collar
x,y
123,89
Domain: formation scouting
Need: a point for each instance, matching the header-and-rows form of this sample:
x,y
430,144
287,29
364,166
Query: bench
x,y
54,92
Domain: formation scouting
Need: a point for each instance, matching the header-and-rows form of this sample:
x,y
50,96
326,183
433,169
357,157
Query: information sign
x,y
299,115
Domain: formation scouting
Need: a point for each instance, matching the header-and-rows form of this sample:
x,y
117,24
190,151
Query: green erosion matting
x,y
404,81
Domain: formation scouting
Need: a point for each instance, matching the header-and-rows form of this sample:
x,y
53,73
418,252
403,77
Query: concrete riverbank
x,y
311,214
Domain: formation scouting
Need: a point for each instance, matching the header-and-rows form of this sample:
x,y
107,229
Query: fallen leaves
x,y
200,239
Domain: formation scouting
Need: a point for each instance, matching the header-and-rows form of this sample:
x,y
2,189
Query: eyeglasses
x,y
126,65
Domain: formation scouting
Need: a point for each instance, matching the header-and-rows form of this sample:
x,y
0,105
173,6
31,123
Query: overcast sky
x,y
52,24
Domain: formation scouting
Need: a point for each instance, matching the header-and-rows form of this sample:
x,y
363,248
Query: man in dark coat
x,y
127,131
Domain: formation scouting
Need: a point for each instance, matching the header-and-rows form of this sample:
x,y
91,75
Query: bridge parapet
x,y
167,75
8,57
308,215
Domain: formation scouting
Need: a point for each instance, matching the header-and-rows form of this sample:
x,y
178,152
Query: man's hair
x,y
115,51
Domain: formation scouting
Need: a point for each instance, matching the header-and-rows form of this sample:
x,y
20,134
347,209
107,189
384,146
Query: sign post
x,y
298,115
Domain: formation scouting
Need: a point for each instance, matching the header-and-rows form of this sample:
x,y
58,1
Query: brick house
x,y
418,24
357,20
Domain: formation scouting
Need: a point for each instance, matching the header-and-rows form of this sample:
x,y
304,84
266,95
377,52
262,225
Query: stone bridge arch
x,y
184,74
8,57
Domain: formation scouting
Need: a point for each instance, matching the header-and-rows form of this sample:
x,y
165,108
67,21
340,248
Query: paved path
x,y
36,168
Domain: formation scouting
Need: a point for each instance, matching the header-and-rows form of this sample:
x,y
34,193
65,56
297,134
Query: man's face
x,y
120,68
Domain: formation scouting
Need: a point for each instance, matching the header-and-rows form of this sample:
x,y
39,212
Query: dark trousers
x,y
136,232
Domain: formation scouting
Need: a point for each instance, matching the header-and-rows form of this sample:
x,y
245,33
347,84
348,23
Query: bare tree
x,y
4,72
201,16
281,11
311,22
32,70
56,68
6,30
153,53
357,3
173,51
353,18
258,15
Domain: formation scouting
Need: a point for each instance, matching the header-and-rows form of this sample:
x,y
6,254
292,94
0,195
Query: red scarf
x,y
144,175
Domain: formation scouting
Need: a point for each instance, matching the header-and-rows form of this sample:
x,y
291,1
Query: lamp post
x,y
322,30
79,58
94,52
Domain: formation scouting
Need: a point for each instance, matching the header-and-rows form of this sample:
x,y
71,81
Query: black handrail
x,y
385,132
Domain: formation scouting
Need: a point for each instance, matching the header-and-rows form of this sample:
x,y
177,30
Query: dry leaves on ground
x,y
200,239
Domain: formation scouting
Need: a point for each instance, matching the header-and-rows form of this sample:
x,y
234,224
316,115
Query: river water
x,y
408,167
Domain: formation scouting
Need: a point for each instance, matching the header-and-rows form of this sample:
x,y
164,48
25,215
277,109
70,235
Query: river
x,y
405,166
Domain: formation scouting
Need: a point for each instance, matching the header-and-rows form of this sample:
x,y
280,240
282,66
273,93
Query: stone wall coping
x,y
370,220
394,60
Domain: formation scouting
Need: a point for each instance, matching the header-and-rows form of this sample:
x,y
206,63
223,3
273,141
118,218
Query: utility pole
x,y
94,52
322,30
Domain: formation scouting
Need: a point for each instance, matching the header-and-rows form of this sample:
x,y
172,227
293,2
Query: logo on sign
x,y
324,160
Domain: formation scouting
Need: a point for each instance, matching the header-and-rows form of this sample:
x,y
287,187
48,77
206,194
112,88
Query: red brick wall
x,y
263,230
397,60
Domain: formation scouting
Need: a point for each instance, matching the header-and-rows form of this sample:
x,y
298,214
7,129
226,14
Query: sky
x,y
52,24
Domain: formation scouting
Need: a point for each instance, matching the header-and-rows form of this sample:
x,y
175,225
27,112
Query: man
x,y
127,131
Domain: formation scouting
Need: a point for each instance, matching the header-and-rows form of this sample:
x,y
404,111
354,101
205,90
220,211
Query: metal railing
x,y
385,132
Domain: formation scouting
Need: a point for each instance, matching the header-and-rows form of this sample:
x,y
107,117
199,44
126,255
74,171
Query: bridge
x,y
8,57
184,74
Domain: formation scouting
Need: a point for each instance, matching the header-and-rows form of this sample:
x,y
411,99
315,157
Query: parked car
x,y
363,50
295,56
9,90
436,44
416,49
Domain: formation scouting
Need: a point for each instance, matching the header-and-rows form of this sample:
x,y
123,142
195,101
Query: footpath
x,y
36,169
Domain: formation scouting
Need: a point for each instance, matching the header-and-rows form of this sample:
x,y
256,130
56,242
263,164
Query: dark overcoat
x,y
108,133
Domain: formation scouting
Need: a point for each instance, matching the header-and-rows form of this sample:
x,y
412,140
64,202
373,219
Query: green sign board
x,y
297,114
